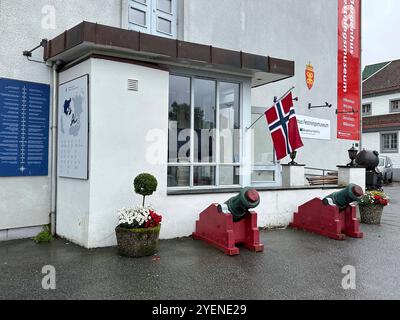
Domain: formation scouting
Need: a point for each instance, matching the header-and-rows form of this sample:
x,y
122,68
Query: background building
x,y
381,110
287,36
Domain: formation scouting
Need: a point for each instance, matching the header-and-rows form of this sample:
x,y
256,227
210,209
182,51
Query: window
x,y
156,17
265,170
395,106
367,109
389,143
204,132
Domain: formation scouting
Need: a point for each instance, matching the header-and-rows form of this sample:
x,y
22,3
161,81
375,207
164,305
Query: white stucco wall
x,y
128,136
25,202
372,141
73,195
381,104
300,30
252,26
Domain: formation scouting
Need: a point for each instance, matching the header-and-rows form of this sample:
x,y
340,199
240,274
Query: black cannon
x,y
240,205
226,225
370,160
345,197
334,216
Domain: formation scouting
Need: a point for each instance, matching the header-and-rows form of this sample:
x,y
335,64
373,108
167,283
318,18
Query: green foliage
x,y
44,236
145,230
374,198
145,184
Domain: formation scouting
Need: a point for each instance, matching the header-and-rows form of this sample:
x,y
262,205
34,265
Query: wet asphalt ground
x,y
294,265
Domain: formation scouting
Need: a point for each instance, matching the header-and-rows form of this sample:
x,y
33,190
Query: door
x,y
265,169
164,18
139,15
158,17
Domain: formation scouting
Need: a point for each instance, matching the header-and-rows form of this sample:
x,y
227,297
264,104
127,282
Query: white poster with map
x,y
73,121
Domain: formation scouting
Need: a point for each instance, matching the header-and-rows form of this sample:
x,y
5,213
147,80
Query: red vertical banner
x,y
349,70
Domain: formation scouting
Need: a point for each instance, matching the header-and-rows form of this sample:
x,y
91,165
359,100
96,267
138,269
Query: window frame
x,y
143,7
273,166
364,114
152,16
391,110
218,78
389,151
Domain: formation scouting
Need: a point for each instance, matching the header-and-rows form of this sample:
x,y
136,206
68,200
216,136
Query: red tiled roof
x,y
387,80
377,123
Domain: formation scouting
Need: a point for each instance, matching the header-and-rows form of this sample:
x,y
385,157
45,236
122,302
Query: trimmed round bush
x,y
145,184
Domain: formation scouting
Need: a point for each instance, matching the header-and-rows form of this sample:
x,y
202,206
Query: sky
x,y
380,31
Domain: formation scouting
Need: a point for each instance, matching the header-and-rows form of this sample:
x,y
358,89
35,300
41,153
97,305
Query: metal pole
x,y
287,92
54,149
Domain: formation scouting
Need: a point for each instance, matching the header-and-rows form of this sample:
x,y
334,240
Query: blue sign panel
x,y
24,128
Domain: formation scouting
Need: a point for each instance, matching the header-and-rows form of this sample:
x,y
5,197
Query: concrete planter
x,y
371,214
137,242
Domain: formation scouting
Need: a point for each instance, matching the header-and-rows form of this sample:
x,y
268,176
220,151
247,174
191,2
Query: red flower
x,y
154,220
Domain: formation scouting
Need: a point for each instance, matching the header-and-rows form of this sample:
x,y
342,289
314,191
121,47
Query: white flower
x,y
139,214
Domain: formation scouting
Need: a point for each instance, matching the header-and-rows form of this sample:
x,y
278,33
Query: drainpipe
x,y
54,121
121,14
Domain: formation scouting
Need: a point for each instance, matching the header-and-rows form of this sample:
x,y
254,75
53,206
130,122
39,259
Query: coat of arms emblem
x,y
310,76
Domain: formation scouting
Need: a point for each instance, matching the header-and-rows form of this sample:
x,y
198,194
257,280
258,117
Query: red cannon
x,y
225,226
334,216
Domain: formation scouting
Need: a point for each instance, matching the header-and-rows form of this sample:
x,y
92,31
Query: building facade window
x,y
395,105
265,169
367,109
157,17
204,132
389,143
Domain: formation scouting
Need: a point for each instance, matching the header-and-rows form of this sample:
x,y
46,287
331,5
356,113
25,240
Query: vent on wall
x,y
133,85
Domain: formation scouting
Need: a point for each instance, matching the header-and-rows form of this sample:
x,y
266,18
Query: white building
x,y
381,110
153,69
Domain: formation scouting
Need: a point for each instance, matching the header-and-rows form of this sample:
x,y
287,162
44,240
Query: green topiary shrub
x,y
145,184
44,236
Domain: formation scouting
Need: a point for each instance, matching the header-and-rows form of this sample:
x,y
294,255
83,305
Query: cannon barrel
x,y
239,205
346,196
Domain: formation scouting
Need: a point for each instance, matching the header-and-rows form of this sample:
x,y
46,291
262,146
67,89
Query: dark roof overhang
x,y
387,122
380,92
87,38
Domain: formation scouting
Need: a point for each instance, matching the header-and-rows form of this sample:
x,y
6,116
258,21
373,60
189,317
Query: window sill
x,y
237,189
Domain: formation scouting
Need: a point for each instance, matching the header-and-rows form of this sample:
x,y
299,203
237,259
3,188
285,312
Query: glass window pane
x,y
137,16
229,175
366,109
263,176
262,146
229,120
141,1
165,5
390,142
179,119
164,25
204,120
386,141
394,141
204,176
178,176
394,105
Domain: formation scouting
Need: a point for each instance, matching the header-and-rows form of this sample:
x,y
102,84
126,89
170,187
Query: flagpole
x,y
287,92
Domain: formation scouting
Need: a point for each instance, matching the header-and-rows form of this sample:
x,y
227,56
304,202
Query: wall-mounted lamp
x,y
346,112
326,105
28,53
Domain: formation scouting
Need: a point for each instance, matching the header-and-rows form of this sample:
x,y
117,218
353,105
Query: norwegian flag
x,y
282,124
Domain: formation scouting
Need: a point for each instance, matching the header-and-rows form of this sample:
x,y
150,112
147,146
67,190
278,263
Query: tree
x,y
145,184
